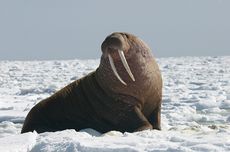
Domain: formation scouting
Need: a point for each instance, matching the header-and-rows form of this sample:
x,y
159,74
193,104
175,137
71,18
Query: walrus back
x,y
66,109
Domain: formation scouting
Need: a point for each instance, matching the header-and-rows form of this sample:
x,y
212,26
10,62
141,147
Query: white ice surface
x,y
195,108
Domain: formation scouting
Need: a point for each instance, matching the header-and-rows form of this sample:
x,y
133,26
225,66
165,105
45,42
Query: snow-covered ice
x,y
195,108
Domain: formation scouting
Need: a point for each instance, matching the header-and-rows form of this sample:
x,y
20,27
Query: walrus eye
x,y
114,69
125,63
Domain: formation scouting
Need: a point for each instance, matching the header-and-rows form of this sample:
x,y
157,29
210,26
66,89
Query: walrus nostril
x,y
112,49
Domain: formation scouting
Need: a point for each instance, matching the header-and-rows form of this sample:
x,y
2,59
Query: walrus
x,y
124,93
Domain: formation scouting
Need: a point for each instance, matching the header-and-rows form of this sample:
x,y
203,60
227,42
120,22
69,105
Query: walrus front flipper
x,y
145,123
140,121
155,118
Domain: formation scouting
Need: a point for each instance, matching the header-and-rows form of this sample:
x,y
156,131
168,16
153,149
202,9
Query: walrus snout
x,y
115,45
112,43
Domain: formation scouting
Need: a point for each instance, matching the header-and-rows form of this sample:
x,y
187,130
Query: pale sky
x,y
72,29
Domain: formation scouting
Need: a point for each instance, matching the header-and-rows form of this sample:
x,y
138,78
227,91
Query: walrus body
x,y
100,101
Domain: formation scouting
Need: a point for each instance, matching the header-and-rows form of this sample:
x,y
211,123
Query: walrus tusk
x,y
114,69
125,63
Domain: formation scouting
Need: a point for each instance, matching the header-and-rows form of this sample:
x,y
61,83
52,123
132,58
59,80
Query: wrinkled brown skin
x,y
100,101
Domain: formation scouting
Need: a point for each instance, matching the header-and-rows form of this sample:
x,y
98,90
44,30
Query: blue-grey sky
x,y
70,29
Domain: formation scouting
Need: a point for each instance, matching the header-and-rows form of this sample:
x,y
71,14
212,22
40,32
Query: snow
x,y
195,108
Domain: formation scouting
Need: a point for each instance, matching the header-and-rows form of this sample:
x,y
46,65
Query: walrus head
x,y
116,46
126,65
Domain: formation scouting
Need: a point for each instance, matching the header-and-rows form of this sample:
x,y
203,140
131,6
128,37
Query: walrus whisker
x,y
125,63
114,69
